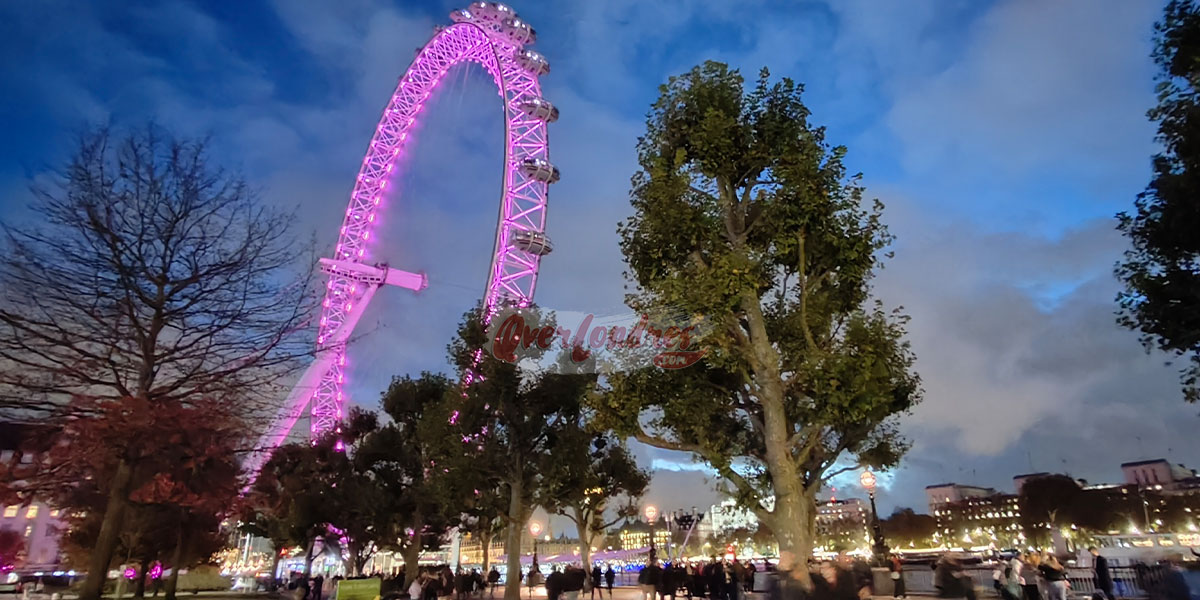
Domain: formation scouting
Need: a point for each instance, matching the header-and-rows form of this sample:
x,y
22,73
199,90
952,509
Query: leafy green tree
x,y
287,499
512,422
1161,272
592,470
418,461
905,527
745,217
484,515
1051,501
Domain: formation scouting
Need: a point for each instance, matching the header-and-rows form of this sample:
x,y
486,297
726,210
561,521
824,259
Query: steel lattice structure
x,y
492,36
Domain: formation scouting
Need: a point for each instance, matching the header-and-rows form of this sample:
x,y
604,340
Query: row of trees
x,y
156,294
479,458
1056,502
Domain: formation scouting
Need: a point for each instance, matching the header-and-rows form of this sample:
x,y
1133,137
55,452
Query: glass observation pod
x,y
540,108
533,62
540,170
519,32
491,11
461,15
533,242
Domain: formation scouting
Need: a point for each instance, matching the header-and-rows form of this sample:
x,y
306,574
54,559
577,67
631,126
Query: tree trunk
x,y
583,528
793,522
485,542
412,554
793,517
106,541
278,549
139,588
176,560
512,547
308,557
350,561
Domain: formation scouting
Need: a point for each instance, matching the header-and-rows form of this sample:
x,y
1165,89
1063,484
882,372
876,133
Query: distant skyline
x,y
1002,137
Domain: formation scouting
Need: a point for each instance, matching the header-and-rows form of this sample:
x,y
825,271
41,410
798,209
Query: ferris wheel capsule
x,y
532,61
540,170
461,15
518,32
541,109
533,242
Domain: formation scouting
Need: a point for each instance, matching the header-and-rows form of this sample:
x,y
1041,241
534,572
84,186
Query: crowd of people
x,y
716,579
1024,576
443,582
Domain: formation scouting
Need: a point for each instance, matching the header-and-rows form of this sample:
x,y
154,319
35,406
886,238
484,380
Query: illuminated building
x,y
636,535
842,524
37,523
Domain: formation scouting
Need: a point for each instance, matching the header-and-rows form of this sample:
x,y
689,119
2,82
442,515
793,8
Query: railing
x,y
1128,582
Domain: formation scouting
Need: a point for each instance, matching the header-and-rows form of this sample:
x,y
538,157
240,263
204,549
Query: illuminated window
x,y
10,511
28,530
32,512
54,513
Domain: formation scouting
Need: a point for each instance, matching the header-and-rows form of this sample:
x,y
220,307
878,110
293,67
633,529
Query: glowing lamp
x,y
535,528
867,479
651,513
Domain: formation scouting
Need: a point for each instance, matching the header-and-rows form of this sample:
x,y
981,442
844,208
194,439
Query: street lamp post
x,y
534,528
671,519
651,513
879,548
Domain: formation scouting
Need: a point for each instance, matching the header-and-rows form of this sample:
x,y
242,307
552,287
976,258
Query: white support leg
x,y
300,396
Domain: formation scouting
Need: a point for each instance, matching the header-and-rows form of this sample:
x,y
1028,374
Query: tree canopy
x,y
745,217
1161,272
905,527
516,423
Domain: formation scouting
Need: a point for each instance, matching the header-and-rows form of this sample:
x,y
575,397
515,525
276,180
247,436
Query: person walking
x,y
414,590
1056,577
832,582
1104,581
951,581
493,580
597,582
554,584
318,586
897,574
574,578
649,579
609,577
784,583
716,580
1029,576
667,583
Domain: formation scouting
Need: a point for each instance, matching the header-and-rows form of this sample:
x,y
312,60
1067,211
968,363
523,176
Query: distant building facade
x,y
636,535
949,493
728,516
842,524
1160,474
38,524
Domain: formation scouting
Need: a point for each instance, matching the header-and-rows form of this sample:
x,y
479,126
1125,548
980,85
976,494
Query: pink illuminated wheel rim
x,y
492,36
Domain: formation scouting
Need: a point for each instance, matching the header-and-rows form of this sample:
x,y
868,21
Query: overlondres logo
x,y
670,341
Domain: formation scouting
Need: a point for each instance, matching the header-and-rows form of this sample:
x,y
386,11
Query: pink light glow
x,y
156,571
130,573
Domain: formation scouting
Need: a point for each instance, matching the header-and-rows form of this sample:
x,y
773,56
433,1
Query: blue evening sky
x,y
1002,136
